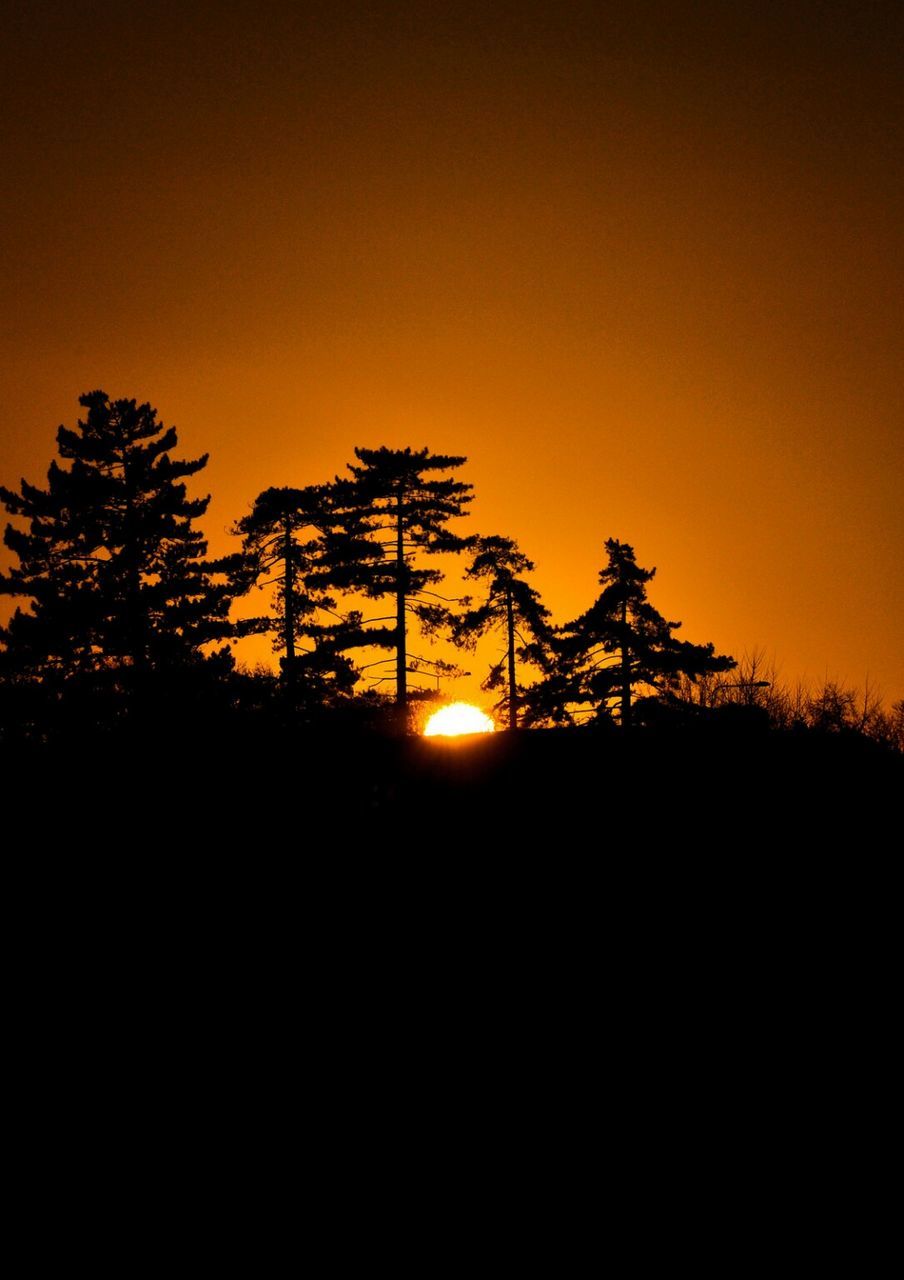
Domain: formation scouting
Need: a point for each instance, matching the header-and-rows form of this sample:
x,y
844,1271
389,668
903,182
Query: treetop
x,y
404,463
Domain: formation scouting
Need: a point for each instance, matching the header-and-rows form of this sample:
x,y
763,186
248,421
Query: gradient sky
x,y
640,262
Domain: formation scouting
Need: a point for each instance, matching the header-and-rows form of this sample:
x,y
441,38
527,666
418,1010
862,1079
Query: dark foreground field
x,y
692,912
568,792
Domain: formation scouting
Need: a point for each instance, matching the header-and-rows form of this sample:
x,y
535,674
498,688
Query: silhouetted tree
x,y
115,570
293,539
893,727
622,643
512,606
406,507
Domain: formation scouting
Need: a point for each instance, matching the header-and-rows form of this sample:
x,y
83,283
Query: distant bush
x,y
831,709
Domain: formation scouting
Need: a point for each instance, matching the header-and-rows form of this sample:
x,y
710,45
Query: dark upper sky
x,y
640,262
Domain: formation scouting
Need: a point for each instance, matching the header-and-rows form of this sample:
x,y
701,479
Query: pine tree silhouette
x,y
115,570
512,606
294,539
406,508
621,644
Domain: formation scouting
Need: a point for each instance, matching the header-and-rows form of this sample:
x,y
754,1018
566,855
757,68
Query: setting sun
x,y
456,719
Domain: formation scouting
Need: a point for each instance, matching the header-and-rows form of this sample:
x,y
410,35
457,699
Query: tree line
x,y
124,606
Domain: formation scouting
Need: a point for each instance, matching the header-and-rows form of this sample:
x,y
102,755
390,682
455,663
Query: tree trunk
x,y
625,670
510,629
401,654
289,604
135,632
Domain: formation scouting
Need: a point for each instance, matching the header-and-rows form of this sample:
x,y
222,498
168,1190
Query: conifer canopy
x,y
110,560
406,509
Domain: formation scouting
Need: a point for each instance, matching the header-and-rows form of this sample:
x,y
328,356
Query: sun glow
x,y
456,719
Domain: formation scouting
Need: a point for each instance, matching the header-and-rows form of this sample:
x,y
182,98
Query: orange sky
x,y
643,269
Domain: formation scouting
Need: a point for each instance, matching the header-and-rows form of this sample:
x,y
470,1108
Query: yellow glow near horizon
x,y
456,719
